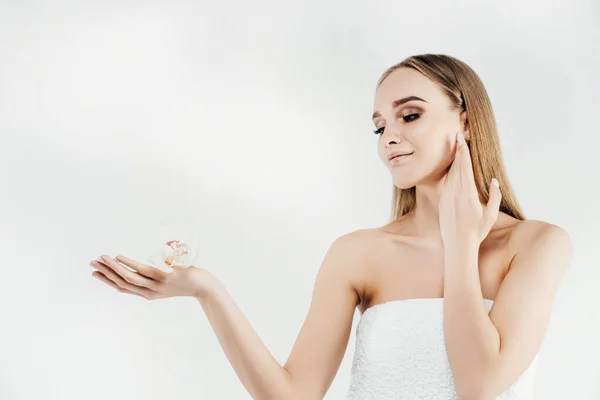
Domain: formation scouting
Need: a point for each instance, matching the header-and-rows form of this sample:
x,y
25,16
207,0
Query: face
x,y
423,127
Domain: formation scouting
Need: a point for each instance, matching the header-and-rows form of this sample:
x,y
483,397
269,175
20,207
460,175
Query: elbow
x,y
475,393
478,383
477,388
296,394
283,389
291,390
297,389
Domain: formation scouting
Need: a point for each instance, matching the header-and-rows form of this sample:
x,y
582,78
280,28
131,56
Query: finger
x,y
146,270
493,205
449,178
130,277
98,275
464,159
120,282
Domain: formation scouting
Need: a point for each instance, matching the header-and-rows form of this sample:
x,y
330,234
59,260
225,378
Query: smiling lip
x,y
398,158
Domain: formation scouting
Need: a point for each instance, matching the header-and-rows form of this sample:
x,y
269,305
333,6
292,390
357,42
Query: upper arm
x,y
523,305
322,341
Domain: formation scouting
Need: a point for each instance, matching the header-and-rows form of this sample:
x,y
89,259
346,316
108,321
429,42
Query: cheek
x,y
381,149
433,127
434,155
434,138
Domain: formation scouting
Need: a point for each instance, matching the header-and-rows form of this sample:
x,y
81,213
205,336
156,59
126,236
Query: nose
x,y
391,135
392,141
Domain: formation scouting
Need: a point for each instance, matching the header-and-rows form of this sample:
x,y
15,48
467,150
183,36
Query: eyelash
x,y
379,131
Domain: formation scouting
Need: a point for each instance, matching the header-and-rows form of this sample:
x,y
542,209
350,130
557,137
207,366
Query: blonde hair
x,y
466,92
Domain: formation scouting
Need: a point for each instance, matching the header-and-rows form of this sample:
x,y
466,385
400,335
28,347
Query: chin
x,y
404,182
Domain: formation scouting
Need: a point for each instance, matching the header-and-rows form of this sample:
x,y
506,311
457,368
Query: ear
x,y
464,123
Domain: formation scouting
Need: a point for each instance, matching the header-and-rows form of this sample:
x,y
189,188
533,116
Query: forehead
x,y
405,82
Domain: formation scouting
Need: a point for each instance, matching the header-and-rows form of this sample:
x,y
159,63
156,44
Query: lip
x,y
398,159
393,154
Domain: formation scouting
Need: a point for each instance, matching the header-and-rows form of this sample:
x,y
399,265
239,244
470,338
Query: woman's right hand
x,y
152,283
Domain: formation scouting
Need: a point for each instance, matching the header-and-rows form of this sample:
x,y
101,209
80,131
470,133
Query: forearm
x,y
472,340
262,375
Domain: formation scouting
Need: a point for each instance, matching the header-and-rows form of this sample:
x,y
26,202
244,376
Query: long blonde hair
x,y
466,92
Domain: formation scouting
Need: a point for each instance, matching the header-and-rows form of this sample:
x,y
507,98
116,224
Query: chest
x,y
401,269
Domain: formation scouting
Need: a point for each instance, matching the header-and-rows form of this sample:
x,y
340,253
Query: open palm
x,y
149,282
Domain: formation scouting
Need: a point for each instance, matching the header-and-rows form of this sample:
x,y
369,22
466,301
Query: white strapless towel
x,y
400,354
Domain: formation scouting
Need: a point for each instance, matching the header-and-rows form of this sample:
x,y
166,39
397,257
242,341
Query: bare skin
x,y
362,269
400,260
404,266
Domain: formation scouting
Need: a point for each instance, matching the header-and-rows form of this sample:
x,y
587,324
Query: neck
x,y
425,216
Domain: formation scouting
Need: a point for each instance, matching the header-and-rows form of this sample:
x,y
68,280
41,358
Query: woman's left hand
x,y
461,214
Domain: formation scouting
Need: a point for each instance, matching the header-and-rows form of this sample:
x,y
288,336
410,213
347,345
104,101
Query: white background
x,y
249,123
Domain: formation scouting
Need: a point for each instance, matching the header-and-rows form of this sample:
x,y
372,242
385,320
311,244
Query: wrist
x,y
204,284
209,289
461,240
461,249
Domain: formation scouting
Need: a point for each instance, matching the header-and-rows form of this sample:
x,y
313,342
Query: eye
x,y
411,117
407,118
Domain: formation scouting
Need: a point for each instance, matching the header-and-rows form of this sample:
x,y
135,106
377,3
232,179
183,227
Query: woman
x,y
455,292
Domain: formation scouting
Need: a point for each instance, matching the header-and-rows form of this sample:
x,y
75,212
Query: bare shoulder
x,y
351,248
533,231
356,244
349,253
540,239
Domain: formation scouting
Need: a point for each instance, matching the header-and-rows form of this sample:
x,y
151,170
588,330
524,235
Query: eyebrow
x,y
399,102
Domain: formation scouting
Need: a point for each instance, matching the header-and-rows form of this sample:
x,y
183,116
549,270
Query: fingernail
x,y
495,182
